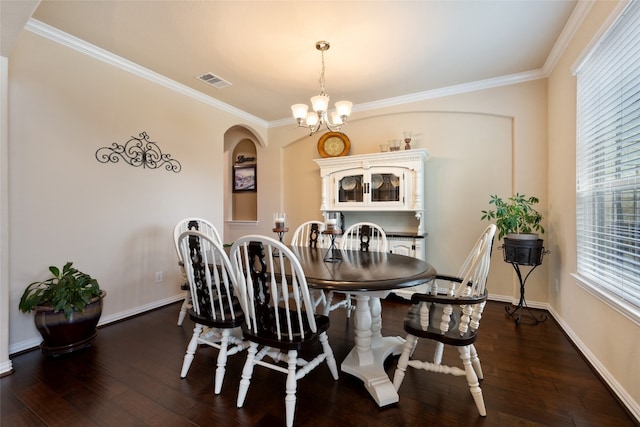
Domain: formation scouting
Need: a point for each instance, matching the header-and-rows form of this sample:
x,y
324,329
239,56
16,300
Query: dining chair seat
x,y
301,335
234,316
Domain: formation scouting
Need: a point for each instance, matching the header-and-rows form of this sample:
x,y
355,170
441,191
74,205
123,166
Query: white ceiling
x,y
266,49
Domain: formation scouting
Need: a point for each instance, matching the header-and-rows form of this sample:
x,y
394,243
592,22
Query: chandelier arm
x,y
333,128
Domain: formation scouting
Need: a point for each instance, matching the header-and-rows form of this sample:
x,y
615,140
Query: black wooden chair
x,y
216,311
279,315
451,315
198,224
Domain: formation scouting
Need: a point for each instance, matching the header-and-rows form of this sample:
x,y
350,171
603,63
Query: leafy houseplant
x,y
516,218
516,215
67,308
69,290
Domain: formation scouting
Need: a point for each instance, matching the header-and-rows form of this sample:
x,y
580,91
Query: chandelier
x,y
313,120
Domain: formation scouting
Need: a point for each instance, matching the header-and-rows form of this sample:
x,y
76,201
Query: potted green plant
x,y
518,223
67,308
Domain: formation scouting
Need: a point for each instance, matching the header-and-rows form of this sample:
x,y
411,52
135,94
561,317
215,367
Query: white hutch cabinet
x,y
385,188
379,182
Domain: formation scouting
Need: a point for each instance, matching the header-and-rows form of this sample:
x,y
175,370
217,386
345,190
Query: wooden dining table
x,y
368,277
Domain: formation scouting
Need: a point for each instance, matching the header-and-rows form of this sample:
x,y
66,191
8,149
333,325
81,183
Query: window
x,y
608,164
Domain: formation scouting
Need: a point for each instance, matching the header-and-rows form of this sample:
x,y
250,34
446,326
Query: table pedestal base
x,y
375,378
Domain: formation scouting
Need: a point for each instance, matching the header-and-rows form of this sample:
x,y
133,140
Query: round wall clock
x,y
334,144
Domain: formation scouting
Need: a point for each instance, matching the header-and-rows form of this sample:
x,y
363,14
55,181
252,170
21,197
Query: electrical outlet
x,y
158,276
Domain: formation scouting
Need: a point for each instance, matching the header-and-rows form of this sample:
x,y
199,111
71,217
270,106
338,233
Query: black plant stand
x,y
526,253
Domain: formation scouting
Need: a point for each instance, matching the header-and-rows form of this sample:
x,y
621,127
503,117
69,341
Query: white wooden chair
x,y
279,315
366,237
215,309
451,316
191,223
309,234
361,236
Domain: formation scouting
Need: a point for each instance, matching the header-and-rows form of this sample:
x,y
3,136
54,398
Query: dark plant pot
x,y
61,335
523,252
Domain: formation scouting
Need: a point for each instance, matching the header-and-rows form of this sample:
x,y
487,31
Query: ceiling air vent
x,y
213,80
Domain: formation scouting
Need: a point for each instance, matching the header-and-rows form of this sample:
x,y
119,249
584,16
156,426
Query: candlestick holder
x,y
280,221
333,254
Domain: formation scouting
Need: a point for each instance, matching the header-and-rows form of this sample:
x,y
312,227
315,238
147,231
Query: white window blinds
x,y
608,161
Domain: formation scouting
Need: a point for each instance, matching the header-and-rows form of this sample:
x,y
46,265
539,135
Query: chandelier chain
x,y
322,81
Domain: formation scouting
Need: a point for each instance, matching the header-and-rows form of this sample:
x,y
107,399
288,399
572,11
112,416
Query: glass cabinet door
x,y
385,187
350,189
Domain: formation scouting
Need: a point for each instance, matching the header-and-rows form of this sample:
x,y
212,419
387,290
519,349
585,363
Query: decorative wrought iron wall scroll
x,y
138,152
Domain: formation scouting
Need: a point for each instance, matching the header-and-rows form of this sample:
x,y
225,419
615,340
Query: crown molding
x,y
100,54
577,16
573,24
437,93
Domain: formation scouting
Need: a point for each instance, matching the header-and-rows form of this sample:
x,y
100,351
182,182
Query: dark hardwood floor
x,y
130,377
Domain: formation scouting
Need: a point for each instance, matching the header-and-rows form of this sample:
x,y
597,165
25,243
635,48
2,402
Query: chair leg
x,y
326,308
186,305
437,354
472,379
328,351
222,361
291,385
403,361
475,361
247,371
191,350
319,299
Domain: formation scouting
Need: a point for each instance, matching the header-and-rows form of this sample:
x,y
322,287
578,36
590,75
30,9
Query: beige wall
x,y
113,221
610,339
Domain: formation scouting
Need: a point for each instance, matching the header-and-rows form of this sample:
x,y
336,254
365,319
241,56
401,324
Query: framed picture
x,y
244,178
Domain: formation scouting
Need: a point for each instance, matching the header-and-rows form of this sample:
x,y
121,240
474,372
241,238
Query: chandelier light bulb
x,y
313,120
299,111
320,103
343,108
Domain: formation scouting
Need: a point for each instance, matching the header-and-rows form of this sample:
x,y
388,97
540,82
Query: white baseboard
x,y
514,301
104,320
6,367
